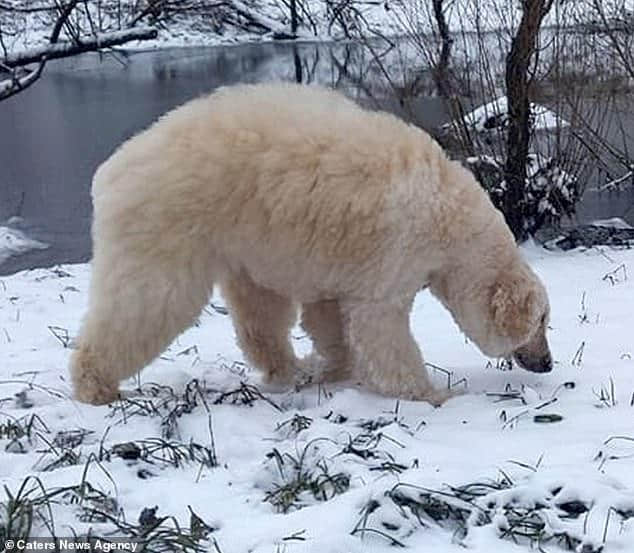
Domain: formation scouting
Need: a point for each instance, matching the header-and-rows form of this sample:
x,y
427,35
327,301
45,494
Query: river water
x,y
55,134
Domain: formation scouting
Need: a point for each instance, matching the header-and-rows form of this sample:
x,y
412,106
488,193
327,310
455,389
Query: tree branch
x,y
15,84
65,49
41,54
64,14
622,52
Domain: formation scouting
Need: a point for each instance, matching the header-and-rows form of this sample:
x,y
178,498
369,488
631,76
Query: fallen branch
x,y
614,184
66,49
15,84
262,22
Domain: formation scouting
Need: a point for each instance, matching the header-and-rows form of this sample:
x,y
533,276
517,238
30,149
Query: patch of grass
x,y
577,359
501,364
23,427
31,385
616,275
24,513
451,382
152,400
161,452
20,511
336,418
194,395
71,438
164,403
21,432
164,534
302,478
615,448
513,511
365,446
534,403
290,428
29,511
61,334
62,449
245,394
606,395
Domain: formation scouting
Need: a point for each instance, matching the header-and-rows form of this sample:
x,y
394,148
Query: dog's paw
x,y
94,392
435,397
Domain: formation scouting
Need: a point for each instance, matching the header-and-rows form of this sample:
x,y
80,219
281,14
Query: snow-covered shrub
x,y
550,192
494,117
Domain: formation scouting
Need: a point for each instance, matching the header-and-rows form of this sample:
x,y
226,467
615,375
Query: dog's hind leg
x,y
138,305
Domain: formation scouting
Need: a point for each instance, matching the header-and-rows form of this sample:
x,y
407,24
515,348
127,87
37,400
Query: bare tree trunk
x,y
441,69
517,82
294,22
297,61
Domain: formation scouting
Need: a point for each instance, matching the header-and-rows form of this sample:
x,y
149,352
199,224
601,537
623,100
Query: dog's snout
x,y
547,363
543,364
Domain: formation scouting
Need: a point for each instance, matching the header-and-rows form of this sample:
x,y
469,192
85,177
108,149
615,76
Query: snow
x,y
494,116
355,447
14,242
613,222
364,444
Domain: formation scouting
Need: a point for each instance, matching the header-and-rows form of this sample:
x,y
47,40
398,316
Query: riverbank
x,y
242,21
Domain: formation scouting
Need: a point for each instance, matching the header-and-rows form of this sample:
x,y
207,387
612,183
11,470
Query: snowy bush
x,y
549,195
551,191
494,116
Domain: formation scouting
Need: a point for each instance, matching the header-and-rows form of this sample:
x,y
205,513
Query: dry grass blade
x,y
245,394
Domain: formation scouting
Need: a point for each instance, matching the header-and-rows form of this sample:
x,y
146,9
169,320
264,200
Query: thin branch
x,y
64,14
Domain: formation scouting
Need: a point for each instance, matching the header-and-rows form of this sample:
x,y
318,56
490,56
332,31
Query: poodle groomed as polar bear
x,y
284,195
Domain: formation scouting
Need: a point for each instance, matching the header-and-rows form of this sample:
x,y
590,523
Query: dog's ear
x,y
515,306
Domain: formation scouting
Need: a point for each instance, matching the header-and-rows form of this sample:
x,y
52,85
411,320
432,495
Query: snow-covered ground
x,y
336,458
15,242
494,116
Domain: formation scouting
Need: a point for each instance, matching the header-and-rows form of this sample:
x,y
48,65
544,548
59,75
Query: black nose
x,y
539,365
546,364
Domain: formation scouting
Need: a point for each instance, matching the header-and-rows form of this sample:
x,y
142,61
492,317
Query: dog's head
x,y
519,313
504,310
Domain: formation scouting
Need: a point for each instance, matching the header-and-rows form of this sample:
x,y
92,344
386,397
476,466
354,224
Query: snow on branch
x,y
15,83
12,63
261,21
65,49
615,183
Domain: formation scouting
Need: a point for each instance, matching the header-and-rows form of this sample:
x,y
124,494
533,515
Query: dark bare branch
x,y
64,14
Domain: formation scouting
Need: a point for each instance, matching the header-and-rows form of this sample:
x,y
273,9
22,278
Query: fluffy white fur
x,y
286,195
